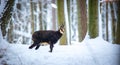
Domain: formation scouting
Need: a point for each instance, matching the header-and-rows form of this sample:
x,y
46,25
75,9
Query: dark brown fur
x,y
49,36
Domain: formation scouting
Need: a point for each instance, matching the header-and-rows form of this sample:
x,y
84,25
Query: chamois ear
x,y
62,26
61,29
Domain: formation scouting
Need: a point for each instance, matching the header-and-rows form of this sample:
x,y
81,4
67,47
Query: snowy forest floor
x,y
89,52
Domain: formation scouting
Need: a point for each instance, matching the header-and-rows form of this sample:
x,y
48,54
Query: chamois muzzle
x,y
62,29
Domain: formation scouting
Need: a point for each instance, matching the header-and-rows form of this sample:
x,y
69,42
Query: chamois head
x,y
61,29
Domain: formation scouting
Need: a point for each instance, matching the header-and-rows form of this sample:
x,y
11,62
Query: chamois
x,y
49,36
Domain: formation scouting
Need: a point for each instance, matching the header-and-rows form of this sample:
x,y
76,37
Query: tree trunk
x,y
107,21
6,16
61,19
68,8
113,22
10,32
32,15
93,18
67,21
103,4
40,16
82,19
117,41
54,16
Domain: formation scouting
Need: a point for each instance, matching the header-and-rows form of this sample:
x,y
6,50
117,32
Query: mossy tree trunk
x,y
93,18
6,16
117,40
61,19
82,19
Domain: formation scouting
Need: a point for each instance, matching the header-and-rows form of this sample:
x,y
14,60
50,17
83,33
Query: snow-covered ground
x,y
89,52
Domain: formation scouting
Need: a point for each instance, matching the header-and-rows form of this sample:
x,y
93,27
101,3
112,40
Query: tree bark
x,y
107,21
117,40
113,22
40,16
82,19
93,18
10,32
6,16
32,15
61,19
54,16
68,8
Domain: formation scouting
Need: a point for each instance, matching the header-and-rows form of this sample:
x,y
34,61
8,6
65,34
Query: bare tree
x,y
82,19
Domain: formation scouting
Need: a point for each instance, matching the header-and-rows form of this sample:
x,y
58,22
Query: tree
x,y
67,21
82,19
113,22
73,20
6,16
103,17
54,18
117,40
61,19
32,15
68,10
40,16
107,21
10,32
93,18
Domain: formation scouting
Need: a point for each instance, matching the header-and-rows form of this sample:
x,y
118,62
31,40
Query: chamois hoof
x,y
30,48
50,51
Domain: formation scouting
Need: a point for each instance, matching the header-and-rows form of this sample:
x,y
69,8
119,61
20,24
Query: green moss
x,y
61,19
117,40
93,18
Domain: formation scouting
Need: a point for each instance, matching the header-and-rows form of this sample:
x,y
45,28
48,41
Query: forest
x,y
87,23
20,18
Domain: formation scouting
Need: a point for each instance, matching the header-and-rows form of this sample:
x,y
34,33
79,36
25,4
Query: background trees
x,y
110,21
20,18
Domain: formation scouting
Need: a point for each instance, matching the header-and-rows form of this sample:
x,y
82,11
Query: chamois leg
x,y
33,45
38,45
51,47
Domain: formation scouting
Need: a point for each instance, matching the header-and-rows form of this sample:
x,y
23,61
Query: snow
x,y
3,43
53,5
89,52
